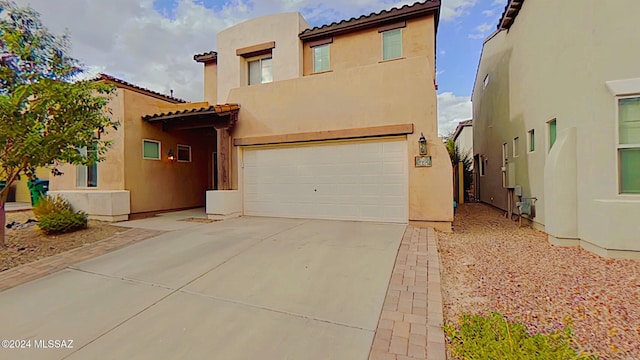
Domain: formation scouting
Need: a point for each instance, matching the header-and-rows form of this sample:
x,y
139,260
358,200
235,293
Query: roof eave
x,y
373,20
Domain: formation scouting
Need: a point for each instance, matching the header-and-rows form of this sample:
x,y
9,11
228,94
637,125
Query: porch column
x,y
224,152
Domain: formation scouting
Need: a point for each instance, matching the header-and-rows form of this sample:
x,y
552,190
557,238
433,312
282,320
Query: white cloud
x,y
451,9
451,110
488,13
481,31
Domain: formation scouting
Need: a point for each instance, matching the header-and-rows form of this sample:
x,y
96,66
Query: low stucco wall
x,y
105,205
224,203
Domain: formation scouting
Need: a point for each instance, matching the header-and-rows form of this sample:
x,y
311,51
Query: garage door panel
x,y
348,181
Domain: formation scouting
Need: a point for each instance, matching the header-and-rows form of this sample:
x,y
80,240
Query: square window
x,y
552,132
151,149
531,140
391,44
321,58
184,153
260,71
629,171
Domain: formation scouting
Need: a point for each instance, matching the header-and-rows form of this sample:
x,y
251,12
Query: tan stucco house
x,y
556,111
322,122
136,176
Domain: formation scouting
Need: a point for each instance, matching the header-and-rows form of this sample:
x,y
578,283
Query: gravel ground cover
x,y
29,244
491,264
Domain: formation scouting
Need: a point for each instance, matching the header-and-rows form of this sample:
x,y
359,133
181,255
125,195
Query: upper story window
x,y
321,58
259,62
260,71
392,44
629,145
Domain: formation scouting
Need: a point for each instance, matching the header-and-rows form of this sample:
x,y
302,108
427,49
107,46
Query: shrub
x,y
55,216
50,205
493,337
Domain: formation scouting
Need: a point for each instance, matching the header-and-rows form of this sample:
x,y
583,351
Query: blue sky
x,y
151,42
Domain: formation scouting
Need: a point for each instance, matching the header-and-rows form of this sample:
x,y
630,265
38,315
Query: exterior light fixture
x,y
423,144
170,155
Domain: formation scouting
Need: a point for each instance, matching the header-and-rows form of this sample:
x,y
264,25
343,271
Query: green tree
x,y
456,156
46,115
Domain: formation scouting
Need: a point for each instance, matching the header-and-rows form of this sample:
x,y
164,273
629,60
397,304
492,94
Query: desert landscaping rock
x,y
26,244
490,264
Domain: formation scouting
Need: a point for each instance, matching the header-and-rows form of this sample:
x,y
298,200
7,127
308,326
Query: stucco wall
x,y
465,141
393,92
287,54
554,66
211,83
111,169
365,47
162,184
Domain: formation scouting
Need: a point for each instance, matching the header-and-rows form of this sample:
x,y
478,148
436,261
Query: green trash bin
x,y
38,189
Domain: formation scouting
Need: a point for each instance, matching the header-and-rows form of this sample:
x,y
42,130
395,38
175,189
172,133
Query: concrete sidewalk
x,y
242,288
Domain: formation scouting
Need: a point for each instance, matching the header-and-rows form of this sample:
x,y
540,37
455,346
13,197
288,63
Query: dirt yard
x,y
30,244
489,264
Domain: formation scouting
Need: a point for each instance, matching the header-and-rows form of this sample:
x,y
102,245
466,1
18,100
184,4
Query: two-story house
x,y
324,122
556,112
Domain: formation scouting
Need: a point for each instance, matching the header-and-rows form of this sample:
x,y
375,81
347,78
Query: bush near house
x,y
493,337
56,216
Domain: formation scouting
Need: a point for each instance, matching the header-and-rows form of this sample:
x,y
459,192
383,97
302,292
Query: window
x,y
552,133
629,145
391,44
321,58
151,149
87,175
260,71
184,153
531,140
485,82
482,160
516,145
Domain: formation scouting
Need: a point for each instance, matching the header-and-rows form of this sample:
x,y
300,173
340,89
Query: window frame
x,y
188,147
552,140
516,145
159,149
531,141
382,34
620,147
318,47
84,182
259,59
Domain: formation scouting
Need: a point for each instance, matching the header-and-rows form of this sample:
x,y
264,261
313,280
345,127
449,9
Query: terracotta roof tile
x,y
156,94
511,10
374,19
220,108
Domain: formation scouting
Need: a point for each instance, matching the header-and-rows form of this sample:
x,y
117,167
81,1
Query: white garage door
x,y
364,180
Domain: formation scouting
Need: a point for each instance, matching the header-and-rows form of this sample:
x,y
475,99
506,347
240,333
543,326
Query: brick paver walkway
x,y
31,271
410,326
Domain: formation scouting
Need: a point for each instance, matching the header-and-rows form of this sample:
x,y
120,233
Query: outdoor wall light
x,y
423,144
170,155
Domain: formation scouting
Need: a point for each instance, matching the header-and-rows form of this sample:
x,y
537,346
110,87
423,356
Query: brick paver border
x,y
410,325
31,271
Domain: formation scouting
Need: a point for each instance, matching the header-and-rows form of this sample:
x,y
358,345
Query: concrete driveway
x,y
245,288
